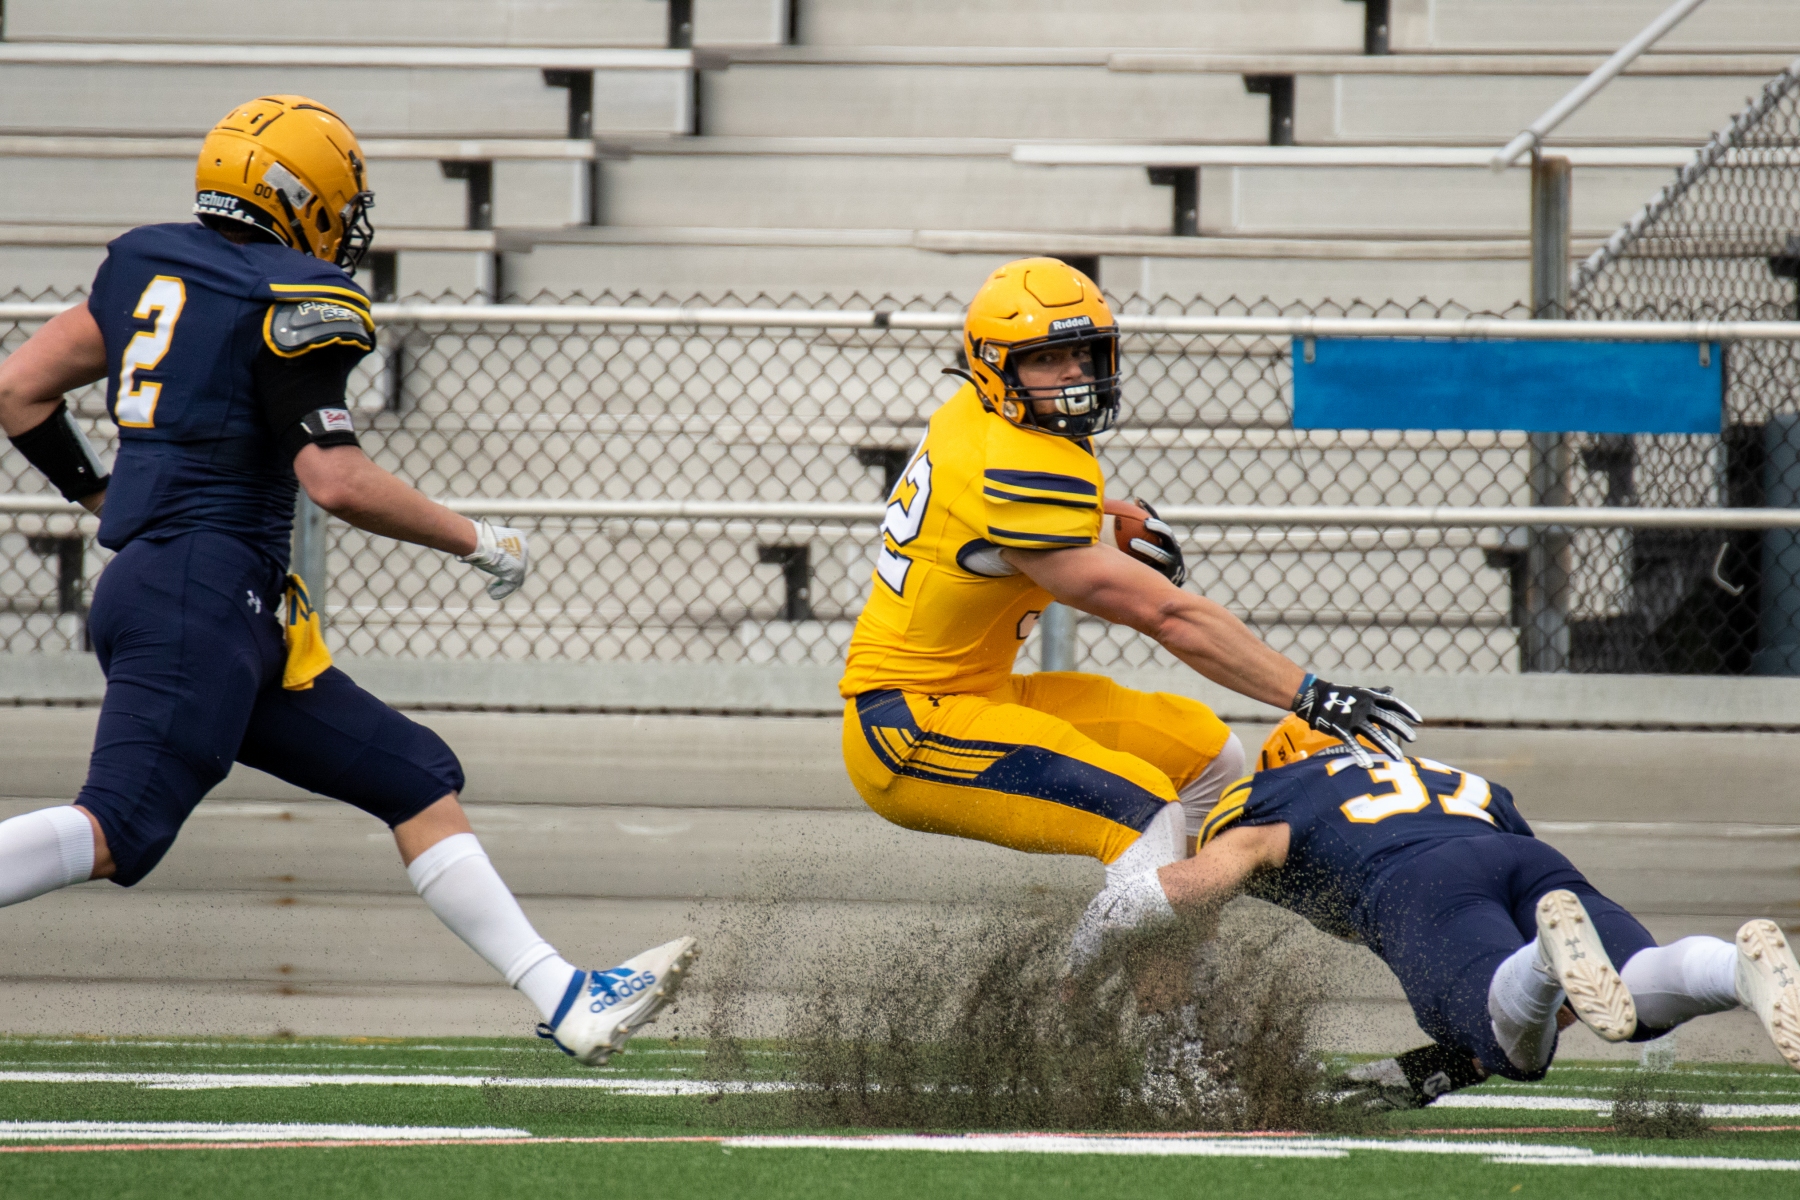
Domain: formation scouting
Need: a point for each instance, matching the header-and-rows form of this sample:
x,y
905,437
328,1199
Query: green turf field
x,y
368,1118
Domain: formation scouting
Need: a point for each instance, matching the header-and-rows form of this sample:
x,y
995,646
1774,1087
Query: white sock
x,y
44,850
1199,796
1522,1002
1160,844
1128,904
460,885
1681,981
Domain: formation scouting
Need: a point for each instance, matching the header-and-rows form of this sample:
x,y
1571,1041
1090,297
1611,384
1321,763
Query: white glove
x,y
502,553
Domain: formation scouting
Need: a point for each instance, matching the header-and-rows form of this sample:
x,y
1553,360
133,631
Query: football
x,y
1123,521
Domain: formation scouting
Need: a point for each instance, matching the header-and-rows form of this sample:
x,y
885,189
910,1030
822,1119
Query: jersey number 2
x,y
162,299
903,522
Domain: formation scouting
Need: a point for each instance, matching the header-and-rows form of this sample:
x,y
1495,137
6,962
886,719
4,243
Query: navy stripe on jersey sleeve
x,y
1043,481
1013,537
1052,501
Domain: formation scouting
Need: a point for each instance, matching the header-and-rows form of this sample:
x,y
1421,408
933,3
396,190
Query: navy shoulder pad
x,y
295,327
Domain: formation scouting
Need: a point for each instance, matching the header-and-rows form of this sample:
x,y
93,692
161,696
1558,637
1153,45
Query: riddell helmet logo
x,y
1071,323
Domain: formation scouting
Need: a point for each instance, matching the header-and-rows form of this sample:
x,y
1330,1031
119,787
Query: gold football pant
x,y
1052,763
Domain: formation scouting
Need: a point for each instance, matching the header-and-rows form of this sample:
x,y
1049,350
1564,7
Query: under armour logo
x,y
1343,706
1781,975
253,600
1574,945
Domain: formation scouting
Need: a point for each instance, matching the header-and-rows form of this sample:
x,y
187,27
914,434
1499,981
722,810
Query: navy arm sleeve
x,y
302,398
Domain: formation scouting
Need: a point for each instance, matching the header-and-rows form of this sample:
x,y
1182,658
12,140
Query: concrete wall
x,y
277,911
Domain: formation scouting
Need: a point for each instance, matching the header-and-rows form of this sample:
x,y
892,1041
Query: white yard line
x,y
1595,1105
1510,1153
362,1045
53,1136
212,1080
204,1081
199,1131
1660,1162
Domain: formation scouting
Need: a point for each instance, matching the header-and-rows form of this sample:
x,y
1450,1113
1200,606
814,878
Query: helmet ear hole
x,y
322,220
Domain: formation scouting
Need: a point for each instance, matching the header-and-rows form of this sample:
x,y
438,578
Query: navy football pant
x,y
1447,919
187,634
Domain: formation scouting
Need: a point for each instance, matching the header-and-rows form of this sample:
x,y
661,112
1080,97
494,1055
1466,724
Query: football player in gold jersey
x,y
998,513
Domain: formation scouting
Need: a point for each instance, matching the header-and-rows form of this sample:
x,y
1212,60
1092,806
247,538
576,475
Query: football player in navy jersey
x,y
1489,930
226,345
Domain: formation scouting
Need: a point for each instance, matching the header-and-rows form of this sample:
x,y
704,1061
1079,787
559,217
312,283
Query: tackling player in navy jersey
x,y
226,345
1489,930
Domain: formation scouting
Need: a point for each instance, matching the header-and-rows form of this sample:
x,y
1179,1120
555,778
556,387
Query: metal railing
x,y
701,482
1214,516
1531,138
902,320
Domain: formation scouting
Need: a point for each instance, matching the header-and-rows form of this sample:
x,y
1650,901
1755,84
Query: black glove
x,y
1410,1081
1349,712
1165,552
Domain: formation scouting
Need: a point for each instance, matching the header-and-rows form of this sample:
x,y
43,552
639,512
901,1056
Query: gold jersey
x,y
946,615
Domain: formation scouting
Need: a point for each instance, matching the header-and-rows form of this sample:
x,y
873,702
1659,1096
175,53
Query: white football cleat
x,y
1768,984
1568,942
602,1009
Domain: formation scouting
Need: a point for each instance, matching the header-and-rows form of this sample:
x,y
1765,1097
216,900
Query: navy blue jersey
x,y
185,314
1351,827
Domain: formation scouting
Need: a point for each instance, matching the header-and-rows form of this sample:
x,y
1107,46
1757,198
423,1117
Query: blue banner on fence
x,y
1540,387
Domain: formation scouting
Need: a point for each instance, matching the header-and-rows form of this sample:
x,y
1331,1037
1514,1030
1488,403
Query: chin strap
x,y
300,241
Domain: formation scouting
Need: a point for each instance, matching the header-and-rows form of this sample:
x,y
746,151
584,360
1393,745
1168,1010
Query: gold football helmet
x,y
1028,305
1291,741
290,167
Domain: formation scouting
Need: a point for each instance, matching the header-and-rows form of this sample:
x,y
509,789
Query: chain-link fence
x,y
711,413
1720,242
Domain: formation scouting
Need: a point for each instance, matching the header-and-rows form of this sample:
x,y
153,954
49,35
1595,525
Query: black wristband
x,y
58,448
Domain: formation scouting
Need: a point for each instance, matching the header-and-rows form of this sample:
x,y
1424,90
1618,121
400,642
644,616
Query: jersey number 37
x,y
1407,792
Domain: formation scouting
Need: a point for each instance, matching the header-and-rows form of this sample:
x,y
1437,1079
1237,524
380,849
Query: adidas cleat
x,y
602,1009
1768,984
1569,944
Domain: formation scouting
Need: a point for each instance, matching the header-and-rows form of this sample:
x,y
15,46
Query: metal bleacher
x,y
849,145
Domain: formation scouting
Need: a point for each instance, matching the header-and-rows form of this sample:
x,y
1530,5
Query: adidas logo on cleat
x,y
608,988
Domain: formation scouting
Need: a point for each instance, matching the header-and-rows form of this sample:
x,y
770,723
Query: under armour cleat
x,y
1569,944
1768,984
602,1009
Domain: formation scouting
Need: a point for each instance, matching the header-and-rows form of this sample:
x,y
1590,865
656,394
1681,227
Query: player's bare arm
x,y
1142,590
1105,582
1202,884
344,482
66,352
